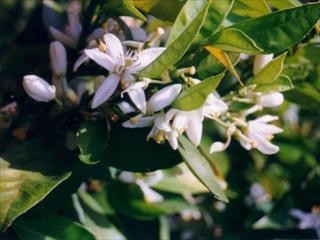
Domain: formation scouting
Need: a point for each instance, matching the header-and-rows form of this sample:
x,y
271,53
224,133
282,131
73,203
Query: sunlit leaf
x,y
199,165
196,95
181,43
283,4
28,174
268,34
251,8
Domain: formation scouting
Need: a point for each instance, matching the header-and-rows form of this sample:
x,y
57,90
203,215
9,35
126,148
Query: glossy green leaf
x,y
268,34
234,40
92,139
165,10
280,84
180,179
180,45
251,8
270,72
28,173
129,200
124,7
217,12
283,4
51,227
199,165
196,95
97,201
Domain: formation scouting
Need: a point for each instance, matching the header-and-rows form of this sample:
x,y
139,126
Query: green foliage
x,y
51,227
195,96
27,176
181,43
200,166
265,34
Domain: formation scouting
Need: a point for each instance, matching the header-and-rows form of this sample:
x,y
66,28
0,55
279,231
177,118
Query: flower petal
x,y
141,123
145,57
83,58
262,144
194,129
260,61
139,99
217,147
106,89
271,100
149,194
101,58
114,48
126,107
172,138
164,97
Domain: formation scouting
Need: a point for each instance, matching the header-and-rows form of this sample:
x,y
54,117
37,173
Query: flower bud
x,y
271,99
164,97
260,61
38,89
58,58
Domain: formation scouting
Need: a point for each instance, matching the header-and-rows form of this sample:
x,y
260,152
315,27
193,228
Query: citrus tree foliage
x,y
126,118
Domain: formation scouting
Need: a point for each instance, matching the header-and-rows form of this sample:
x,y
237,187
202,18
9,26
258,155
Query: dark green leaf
x,y
128,150
129,200
28,173
199,165
51,227
271,33
180,45
196,95
92,139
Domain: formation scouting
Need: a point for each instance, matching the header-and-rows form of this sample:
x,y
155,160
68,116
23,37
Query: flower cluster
x,y
146,102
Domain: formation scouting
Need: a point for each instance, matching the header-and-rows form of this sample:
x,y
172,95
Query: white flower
x,y
220,146
121,65
144,182
189,121
73,29
259,132
58,58
308,220
213,106
38,89
270,99
260,61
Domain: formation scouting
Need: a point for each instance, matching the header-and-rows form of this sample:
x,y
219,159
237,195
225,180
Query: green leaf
x,y
234,40
180,45
269,78
51,227
281,84
251,9
271,33
129,200
165,10
97,202
196,95
270,72
199,165
216,13
180,179
28,173
92,139
124,7
128,150
283,4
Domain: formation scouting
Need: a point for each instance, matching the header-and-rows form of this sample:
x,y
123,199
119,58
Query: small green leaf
x,y
28,173
180,45
280,84
92,139
196,95
251,9
200,167
234,40
165,10
270,72
51,227
271,33
124,7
